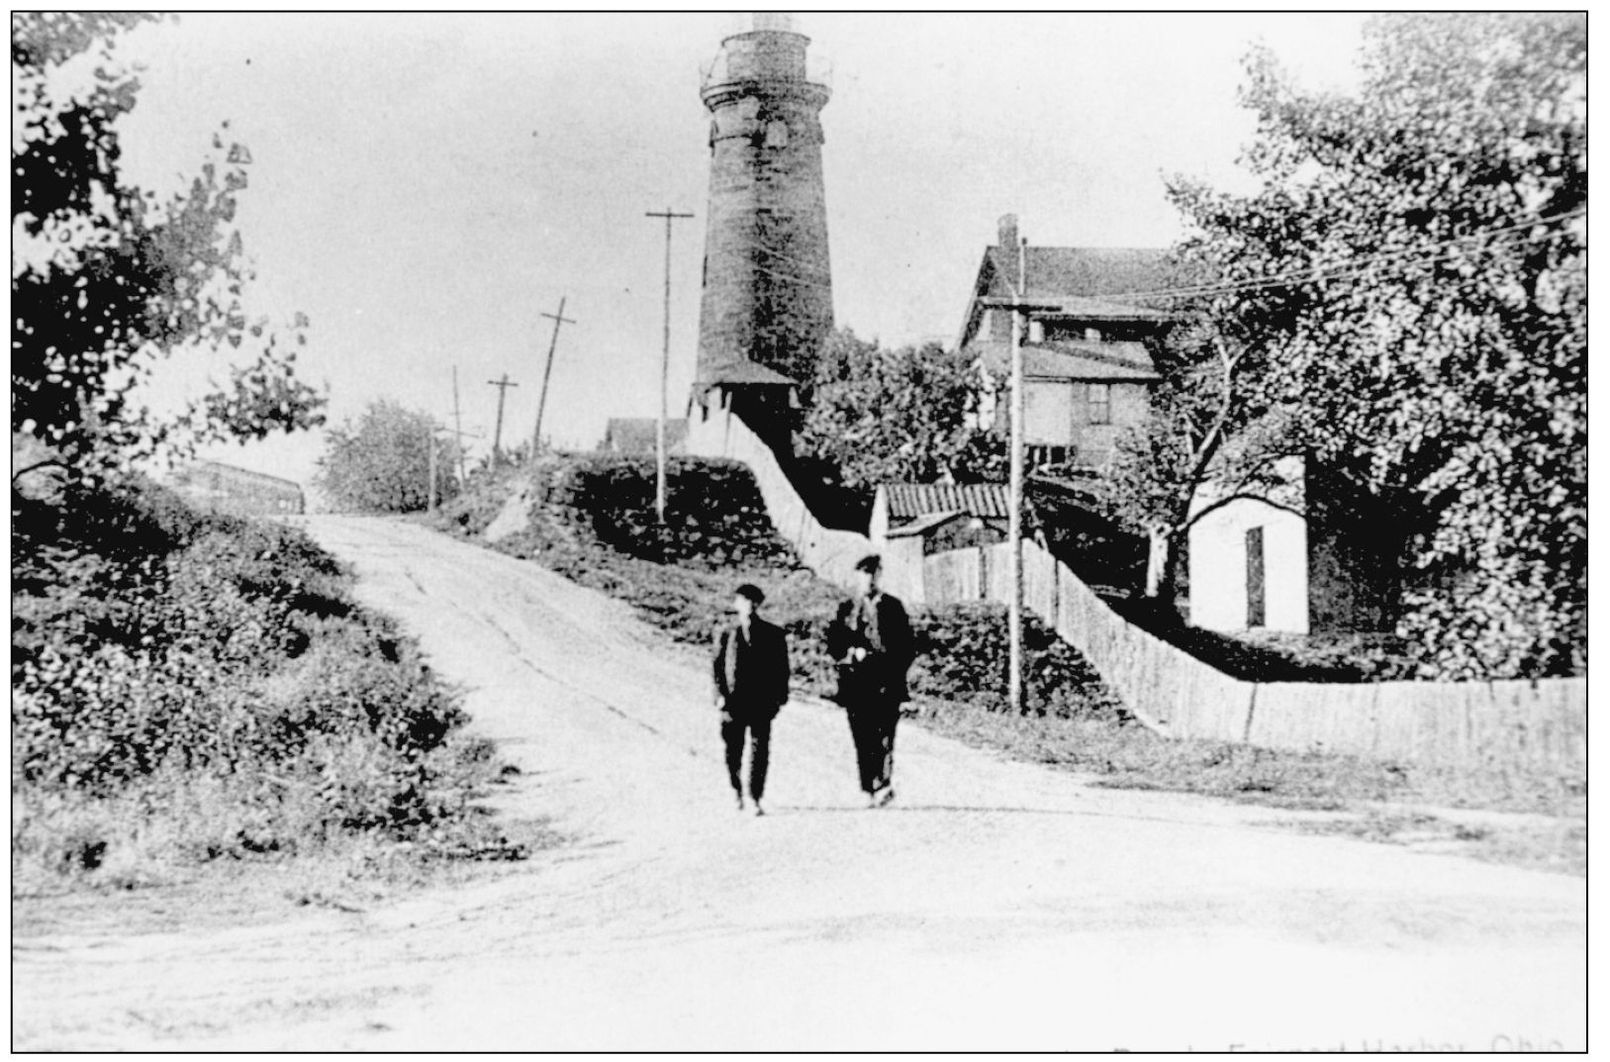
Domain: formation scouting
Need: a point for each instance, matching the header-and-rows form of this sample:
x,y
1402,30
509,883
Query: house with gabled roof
x,y
1088,352
640,435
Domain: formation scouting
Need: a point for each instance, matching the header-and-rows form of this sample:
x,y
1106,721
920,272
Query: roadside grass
x,y
959,681
193,691
1518,818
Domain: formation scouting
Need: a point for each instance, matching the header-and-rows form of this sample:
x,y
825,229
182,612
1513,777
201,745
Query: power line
x,y
1507,234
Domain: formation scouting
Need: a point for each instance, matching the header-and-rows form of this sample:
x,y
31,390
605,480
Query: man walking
x,y
870,642
751,674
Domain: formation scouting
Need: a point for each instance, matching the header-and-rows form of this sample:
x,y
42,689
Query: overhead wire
x,y
1508,234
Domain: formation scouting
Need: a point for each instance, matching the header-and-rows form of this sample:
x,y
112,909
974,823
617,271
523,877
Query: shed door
x,y
1255,590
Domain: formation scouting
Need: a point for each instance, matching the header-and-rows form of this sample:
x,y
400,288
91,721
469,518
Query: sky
x,y
424,187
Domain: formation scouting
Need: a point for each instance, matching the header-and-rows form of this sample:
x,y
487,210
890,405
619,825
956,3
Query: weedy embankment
x,y
192,690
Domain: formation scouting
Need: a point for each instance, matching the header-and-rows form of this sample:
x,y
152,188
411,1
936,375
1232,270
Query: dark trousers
x,y
733,727
872,726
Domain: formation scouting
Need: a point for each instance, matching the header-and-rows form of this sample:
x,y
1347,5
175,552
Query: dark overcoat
x,y
752,675
884,631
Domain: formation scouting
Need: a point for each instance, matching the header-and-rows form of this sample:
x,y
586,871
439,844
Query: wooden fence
x,y
1505,724
829,552
1511,723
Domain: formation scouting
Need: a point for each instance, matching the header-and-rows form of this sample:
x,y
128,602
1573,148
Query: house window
x,y
1093,335
1036,332
1098,397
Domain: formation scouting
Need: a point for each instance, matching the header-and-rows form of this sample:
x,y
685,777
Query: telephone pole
x,y
665,367
458,429
430,441
1014,613
547,371
503,386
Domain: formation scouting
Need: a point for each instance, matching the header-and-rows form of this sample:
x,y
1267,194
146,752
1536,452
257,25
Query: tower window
x,y
776,134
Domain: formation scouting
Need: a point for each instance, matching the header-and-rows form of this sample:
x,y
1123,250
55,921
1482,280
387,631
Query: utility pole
x,y
665,368
503,386
430,441
458,430
1014,615
542,396
1014,612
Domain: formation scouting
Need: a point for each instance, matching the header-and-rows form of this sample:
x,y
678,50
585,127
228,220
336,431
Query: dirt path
x,y
998,906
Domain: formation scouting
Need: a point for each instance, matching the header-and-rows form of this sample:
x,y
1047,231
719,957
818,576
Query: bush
x,y
963,655
211,673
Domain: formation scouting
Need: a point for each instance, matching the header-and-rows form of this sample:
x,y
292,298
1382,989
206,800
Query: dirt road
x,y
996,906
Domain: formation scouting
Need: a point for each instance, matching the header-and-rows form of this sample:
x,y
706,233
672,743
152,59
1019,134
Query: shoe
x,y
885,798
872,800
759,810
740,801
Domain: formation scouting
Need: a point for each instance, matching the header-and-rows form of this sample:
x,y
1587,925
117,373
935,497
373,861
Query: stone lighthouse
x,y
768,298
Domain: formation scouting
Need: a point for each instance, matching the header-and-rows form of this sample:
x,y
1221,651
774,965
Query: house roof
x,y
911,501
237,475
639,434
1073,359
1091,272
1088,283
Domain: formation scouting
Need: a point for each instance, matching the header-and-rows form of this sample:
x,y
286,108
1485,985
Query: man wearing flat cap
x,y
751,676
870,642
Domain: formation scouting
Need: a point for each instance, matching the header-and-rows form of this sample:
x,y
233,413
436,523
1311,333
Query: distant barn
x,y
220,488
636,435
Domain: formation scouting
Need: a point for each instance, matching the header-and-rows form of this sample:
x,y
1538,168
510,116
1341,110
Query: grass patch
x,y
192,690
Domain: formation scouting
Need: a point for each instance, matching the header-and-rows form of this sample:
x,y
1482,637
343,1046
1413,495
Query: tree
x,y
382,463
106,280
898,415
1208,427
1412,277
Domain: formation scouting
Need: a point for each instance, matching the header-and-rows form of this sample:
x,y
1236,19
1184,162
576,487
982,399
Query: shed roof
x,y
923,524
910,501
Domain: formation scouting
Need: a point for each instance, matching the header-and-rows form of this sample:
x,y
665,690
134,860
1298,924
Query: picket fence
x,y
1510,724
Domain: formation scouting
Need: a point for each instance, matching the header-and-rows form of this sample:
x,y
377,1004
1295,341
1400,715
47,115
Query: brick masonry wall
x,y
767,293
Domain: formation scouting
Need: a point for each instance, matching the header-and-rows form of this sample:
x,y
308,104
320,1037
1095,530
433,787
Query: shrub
x,y
210,675
963,654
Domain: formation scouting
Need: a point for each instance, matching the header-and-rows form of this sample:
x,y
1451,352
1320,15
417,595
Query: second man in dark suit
x,y
751,678
870,641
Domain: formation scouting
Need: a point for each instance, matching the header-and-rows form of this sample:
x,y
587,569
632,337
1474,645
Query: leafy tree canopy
x,y
107,280
907,415
382,462
1411,278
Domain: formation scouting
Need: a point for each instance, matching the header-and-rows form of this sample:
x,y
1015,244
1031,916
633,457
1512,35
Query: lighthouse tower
x,y
768,298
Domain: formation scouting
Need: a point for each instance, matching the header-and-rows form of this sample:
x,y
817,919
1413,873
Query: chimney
x,y
1008,232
